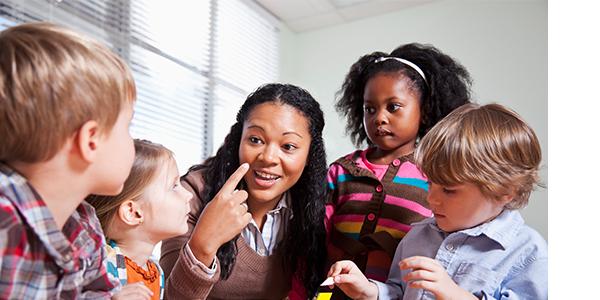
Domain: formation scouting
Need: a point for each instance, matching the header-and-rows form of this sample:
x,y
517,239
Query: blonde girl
x,y
152,206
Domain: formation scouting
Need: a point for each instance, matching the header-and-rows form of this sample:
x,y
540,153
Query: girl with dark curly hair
x,y
390,102
262,235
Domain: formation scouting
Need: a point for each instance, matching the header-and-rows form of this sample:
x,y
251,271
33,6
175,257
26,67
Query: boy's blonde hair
x,y
489,146
52,81
149,159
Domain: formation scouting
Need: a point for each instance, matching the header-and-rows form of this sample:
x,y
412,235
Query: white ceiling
x,y
304,15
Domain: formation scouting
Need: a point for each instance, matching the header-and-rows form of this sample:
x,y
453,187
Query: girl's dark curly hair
x,y
448,86
304,244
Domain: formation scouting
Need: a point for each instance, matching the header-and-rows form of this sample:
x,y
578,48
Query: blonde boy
x,y
482,163
66,102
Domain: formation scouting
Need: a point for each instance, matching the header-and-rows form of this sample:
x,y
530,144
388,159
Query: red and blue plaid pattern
x,y
38,260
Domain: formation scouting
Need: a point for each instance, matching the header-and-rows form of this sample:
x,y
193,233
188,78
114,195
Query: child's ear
x,y
87,139
130,213
507,198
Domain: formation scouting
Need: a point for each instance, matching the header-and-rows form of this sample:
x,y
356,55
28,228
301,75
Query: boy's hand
x,y
429,275
222,219
133,291
348,277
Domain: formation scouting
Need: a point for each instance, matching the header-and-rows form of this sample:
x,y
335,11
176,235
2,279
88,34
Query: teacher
x,y
256,227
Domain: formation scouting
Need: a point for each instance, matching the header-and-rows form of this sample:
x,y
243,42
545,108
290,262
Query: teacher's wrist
x,y
203,252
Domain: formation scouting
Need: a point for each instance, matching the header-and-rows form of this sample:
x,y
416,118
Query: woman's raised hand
x,y
222,219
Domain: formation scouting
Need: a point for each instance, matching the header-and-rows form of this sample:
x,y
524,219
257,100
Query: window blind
x,y
169,57
246,56
194,62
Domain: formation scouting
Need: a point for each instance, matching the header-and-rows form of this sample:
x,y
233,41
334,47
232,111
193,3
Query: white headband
x,y
404,61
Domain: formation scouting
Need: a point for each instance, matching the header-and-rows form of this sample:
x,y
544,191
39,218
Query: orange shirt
x,y
150,277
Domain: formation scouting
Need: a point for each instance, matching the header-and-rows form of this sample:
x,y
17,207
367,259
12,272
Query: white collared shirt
x,y
265,242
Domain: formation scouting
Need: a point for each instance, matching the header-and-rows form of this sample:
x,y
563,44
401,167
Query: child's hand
x,y
348,277
134,291
222,219
429,275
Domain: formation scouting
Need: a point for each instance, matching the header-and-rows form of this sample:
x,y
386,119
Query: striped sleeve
x,y
332,194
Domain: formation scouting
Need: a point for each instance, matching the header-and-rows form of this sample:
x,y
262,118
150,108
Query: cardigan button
x,y
396,162
379,188
371,217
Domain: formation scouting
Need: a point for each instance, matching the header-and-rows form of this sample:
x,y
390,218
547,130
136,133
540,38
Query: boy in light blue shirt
x,y
482,164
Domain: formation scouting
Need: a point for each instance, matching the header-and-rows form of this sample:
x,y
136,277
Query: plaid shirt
x,y
40,261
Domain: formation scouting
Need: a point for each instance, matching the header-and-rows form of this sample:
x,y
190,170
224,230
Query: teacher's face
x,y
275,142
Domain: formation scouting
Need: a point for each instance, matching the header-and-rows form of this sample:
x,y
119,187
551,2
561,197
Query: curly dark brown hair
x,y
304,244
447,86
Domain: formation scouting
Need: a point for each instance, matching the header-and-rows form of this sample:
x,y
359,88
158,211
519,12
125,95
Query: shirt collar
x,y
501,229
284,203
38,217
26,200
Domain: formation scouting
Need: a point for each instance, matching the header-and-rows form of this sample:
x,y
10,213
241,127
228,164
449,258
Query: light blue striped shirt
x,y
500,259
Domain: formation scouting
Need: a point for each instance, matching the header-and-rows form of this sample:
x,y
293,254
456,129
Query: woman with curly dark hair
x,y
262,235
390,101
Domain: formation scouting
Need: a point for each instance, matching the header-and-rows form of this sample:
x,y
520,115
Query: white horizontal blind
x,y
169,57
246,56
95,19
194,62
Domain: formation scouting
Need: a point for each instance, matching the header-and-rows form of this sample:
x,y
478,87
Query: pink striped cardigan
x,y
366,217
